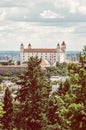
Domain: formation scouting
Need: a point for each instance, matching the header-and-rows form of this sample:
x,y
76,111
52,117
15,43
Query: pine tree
x,y
34,96
7,119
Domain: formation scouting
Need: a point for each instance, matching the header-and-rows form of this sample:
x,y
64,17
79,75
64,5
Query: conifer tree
x,y
7,119
34,96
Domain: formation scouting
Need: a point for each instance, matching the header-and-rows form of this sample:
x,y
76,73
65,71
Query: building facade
x,y
51,55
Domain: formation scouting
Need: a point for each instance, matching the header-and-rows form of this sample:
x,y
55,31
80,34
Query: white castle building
x,y
50,55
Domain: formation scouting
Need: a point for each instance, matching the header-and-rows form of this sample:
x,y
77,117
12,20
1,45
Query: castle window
x,y
41,56
54,54
54,59
45,54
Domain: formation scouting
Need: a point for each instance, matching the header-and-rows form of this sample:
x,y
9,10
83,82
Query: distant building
x,y
73,56
51,55
4,59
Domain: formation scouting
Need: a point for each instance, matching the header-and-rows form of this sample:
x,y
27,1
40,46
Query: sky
x,y
43,23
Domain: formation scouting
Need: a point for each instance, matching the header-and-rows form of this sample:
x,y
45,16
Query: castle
x,y
50,55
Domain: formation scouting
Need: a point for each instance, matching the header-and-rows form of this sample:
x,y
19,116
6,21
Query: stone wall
x,y
5,70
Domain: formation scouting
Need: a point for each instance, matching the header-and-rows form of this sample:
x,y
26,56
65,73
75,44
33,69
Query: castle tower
x,y
29,46
63,47
21,53
63,52
58,52
29,49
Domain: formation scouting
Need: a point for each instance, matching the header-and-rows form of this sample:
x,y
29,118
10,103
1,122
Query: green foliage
x,y
18,62
83,56
1,109
63,87
17,116
67,107
1,88
53,119
59,69
7,119
1,78
72,104
33,96
38,109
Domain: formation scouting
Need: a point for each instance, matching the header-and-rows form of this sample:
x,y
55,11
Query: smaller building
x,y
5,60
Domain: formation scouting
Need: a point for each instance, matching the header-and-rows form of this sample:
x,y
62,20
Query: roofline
x,y
40,50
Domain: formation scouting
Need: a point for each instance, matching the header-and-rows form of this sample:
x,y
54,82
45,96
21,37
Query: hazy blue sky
x,y
43,23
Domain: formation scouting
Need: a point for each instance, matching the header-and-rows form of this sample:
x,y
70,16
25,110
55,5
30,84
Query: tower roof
x,y
21,44
58,44
63,43
29,44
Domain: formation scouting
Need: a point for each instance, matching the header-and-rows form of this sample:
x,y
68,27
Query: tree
x,y
68,104
17,116
1,79
1,113
53,119
18,62
59,69
7,119
83,56
1,109
34,96
72,104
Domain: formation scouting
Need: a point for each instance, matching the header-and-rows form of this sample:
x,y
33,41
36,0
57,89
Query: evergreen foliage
x,y
7,119
1,110
34,96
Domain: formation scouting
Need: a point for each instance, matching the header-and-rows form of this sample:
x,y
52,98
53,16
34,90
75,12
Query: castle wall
x,y
11,69
50,57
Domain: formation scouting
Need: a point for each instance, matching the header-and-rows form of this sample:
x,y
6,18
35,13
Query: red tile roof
x,y
40,50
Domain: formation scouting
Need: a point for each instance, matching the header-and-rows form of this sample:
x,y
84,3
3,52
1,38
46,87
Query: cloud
x,y
44,10
2,14
16,3
44,23
82,9
73,6
50,14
